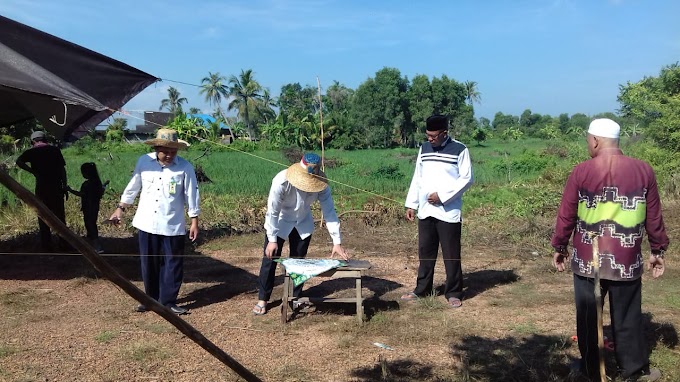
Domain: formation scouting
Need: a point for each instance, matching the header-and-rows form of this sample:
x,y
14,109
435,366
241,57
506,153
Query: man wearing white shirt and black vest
x,y
289,217
443,172
165,184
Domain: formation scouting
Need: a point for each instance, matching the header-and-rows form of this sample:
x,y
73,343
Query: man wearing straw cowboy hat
x,y
289,217
614,198
165,183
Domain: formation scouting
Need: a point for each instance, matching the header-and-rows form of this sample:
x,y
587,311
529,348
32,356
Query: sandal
x,y
455,302
409,297
259,310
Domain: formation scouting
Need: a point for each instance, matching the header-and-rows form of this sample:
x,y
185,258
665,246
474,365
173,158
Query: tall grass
x,y
522,178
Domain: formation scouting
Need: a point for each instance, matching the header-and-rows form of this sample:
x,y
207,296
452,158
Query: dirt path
x,y
60,323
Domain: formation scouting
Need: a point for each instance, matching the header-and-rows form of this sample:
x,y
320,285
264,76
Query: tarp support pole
x,y
112,275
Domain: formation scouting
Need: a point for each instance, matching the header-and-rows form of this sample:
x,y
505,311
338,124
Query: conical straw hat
x,y
307,175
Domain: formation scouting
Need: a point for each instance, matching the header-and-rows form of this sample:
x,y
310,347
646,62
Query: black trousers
x,y
90,216
431,233
162,260
54,200
298,249
625,307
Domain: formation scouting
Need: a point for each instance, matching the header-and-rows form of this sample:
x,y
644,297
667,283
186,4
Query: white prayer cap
x,y
604,127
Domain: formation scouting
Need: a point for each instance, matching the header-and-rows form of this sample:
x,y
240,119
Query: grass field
x,y
505,176
515,325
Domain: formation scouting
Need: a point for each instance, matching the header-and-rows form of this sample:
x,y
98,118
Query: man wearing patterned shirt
x,y
165,183
443,172
615,198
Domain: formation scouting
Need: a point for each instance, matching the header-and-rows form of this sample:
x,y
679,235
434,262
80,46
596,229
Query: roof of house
x,y
208,119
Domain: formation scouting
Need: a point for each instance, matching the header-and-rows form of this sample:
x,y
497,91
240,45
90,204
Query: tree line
x,y
389,110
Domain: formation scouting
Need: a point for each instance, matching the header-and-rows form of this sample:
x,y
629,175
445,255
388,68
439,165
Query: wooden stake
x,y
598,302
318,84
323,167
112,275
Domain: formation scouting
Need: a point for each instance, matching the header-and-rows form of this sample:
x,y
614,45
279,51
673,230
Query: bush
x,y
244,145
86,144
525,164
387,171
6,143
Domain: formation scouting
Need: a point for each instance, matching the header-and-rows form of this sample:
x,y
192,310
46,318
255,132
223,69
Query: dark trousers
x,y
431,233
625,308
298,249
90,219
54,200
162,266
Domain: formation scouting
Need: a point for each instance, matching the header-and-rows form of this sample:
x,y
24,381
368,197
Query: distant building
x,y
152,121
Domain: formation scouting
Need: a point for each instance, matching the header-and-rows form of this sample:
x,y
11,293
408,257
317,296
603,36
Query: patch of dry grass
x,y
145,352
515,323
23,300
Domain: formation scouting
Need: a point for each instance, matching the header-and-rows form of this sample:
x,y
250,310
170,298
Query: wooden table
x,y
354,269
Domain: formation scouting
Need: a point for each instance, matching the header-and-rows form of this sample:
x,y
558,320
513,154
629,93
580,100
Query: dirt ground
x,y
60,322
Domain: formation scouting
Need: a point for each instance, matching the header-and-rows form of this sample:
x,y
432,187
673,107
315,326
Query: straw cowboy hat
x,y
167,138
307,175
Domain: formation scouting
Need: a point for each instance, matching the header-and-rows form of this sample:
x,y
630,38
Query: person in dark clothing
x,y
91,192
49,168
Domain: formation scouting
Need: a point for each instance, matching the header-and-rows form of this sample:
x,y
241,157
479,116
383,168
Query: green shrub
x,y
388,171
244,145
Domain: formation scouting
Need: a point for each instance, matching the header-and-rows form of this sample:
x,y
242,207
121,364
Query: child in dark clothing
x,y
91,192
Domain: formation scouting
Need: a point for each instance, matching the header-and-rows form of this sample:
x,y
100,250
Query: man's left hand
x,y
433,199
656,265
193,231
338,250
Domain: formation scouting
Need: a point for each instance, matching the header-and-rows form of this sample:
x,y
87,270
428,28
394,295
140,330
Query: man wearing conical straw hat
x,y
615,199
165,183
289,217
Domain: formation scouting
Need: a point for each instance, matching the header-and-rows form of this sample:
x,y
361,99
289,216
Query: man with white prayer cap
x,y
616,198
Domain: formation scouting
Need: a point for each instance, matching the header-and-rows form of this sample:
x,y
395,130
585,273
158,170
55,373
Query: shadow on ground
x,y
30,264
400,370
478,282
664,333
23,259
536,357
232,281
372,302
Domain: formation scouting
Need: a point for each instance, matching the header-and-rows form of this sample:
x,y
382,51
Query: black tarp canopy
x,y
68,88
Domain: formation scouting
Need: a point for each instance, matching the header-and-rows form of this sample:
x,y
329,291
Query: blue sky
x,y
552,56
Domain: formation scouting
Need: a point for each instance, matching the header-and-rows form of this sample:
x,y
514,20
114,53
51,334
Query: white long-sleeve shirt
x,y
163,193
446,170
288,208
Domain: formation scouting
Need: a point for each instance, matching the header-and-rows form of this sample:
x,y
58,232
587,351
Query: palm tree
x,y
194,110
472,94
245,90
214,87
174,102
265,107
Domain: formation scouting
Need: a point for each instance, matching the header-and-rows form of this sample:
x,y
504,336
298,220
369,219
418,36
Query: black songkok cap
x,y
437,122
